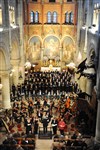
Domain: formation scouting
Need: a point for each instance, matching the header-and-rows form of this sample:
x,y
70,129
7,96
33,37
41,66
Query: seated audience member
x,y
68,142
17,134
74,136
6,141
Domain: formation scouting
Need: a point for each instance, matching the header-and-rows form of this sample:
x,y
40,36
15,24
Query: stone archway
x,y
2,61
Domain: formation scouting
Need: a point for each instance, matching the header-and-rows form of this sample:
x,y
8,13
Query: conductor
x,y
45,122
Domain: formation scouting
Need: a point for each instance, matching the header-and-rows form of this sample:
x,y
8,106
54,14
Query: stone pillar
x,y
97,134
88,21
61,55
82,84
6,91
85,43
89,86
99,21
5,13
21,44
42,49
80,19
89,13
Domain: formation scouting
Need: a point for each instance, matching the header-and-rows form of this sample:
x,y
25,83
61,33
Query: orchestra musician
x,y
54,124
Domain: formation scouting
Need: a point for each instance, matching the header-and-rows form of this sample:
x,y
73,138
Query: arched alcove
x,y
51,47
34,49
68,50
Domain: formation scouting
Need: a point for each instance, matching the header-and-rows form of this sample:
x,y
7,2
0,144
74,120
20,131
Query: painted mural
x,y
51,47
68,50
34,49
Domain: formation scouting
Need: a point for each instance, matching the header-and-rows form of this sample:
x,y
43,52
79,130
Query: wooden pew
x,y
13,146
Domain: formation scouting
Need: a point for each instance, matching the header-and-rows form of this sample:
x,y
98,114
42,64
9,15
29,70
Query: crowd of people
x,y
45,99
46,83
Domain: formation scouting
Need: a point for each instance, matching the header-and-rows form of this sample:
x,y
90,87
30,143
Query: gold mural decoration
x,y
51,47
68,53
68,50
52,30
35,30
34,50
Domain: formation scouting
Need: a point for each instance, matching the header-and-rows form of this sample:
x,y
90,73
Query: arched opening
x,y
68,50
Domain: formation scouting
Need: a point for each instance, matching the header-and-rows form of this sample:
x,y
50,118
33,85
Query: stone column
x,y
99,21
42,49
61,55
6,91
5,13
89,13
88,21
97,134
80,19
85,43
82,84
89,86
21,44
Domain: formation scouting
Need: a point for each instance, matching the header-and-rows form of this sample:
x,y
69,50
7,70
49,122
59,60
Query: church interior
x,y
49,75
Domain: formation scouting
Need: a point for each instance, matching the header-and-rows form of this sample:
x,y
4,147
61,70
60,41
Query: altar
x,y
50,69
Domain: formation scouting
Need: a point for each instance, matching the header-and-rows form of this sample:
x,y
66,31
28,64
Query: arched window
x,y
54,17
71,17
49,18
66,17
32,17
36,17
12,14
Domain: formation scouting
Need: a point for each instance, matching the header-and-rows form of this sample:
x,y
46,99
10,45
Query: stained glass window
x,y
49,18
54,17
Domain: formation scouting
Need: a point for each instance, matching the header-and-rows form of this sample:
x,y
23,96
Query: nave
x,y
56,109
